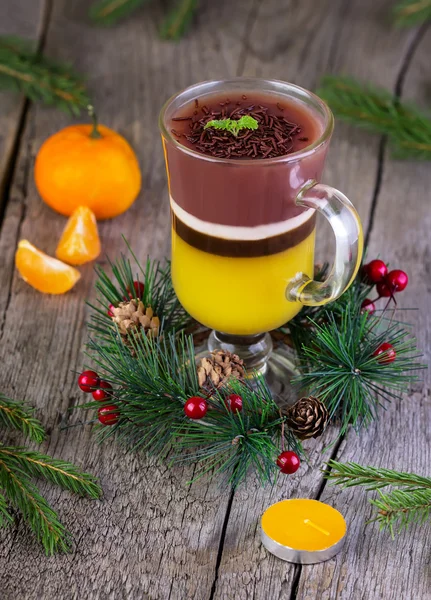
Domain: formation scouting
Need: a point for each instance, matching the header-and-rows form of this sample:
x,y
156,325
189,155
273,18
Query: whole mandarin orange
x,y
75,168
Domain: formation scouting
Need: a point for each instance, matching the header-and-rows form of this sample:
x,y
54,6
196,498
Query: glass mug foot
x,y
259,355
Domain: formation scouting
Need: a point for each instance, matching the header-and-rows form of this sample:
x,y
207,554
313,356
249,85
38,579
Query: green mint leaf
x,y
232,125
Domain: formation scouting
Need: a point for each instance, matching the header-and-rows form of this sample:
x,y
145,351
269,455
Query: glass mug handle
x,y
346,225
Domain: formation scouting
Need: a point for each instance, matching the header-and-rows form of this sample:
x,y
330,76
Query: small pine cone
x,y
214,370
133,317
307,418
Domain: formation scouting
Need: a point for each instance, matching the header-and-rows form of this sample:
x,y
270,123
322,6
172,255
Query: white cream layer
x,y
230,232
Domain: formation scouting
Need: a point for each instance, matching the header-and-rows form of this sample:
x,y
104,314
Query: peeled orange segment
x,y
43,272
79,242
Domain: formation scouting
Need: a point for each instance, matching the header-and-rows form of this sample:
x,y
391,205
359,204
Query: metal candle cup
x,y
303,531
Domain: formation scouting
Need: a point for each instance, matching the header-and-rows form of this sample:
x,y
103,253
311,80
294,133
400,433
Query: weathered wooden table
x,y
153,536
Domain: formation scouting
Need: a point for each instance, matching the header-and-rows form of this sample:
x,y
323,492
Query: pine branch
x,y
373,478
375,109
41,79
412,12
24,495
18,465
153,382
109,12
5,517
338,365
410,504
15,415
179,19
158,294
402,508
61,473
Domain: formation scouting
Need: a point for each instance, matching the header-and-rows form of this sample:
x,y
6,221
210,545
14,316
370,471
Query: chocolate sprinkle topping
x,y
274,137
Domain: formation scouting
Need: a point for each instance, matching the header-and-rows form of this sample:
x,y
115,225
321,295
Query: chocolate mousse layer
x,y
243,248
245,191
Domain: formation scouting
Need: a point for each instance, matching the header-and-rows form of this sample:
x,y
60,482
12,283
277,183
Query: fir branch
x,y
5,517
158,294
375,109
151,386
15,415
152,382
18,465
24,495
109,12
58,472
373,478
231,444
402,508
179,19
412,12
41,79
339,366
410,504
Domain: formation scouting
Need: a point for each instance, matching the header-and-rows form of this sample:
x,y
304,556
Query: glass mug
x,y
243,230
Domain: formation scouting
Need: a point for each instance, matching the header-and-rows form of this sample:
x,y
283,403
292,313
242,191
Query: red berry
x,y
110,310
88,381
196,407
384,290
375,271
108,415
234,403
397,280
369,306
139,288
288,462
385,353
104,392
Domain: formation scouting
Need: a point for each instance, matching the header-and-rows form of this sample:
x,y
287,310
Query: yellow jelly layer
x,y
241,296
304,524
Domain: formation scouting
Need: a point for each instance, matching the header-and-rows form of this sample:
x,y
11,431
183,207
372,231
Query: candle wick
x,y
308,522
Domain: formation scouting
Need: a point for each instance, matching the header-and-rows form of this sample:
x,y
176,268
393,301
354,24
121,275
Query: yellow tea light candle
x,y
303,531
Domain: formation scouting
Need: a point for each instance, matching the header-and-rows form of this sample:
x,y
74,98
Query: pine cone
x,y
133,317
307,418
214,370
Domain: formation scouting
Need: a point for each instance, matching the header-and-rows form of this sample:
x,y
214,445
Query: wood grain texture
x,y
356,29
25,19
154,536
373,566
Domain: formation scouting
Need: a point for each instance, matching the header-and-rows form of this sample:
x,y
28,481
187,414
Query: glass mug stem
x,y
254,350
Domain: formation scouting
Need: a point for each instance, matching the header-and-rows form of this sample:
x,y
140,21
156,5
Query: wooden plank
x,y
153,535
352,38
26,19
374,566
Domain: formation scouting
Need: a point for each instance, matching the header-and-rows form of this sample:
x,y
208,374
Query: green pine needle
x,y
410,504
412,12
158,294
338,365
179,19
233,126
58,472
375,109
15,415
5,517
41,518
25,70
19,465
151,386
109,12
